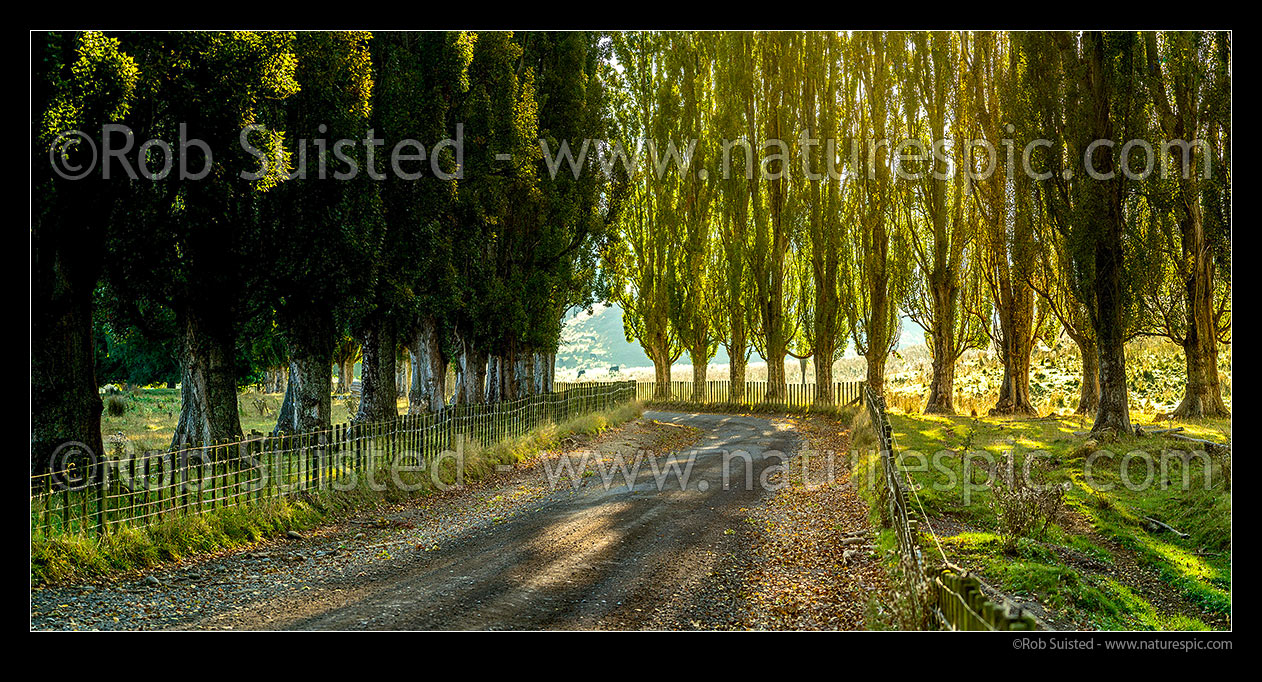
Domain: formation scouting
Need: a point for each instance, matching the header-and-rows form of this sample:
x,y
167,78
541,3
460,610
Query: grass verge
x,y
71,557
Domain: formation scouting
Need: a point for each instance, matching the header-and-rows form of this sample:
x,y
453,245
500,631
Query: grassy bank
x,y
68,558
1097,558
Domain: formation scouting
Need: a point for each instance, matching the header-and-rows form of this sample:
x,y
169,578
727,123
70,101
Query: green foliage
x,y
97,84
131,357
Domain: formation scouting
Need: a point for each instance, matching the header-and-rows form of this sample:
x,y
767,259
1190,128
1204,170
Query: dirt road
x,y
643,551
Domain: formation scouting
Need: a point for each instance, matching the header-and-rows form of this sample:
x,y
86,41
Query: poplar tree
x,y
878,271
827,127
942,226
735,118
641,261
186,241
777,59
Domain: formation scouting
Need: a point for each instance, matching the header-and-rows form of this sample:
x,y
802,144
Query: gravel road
x,y
512,552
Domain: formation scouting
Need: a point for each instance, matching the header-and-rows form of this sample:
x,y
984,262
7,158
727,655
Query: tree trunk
x,y
494,385
523,373
736,374
1016,321
457,394
875,377
1202,395
736,347
312,404
700,365
536,373
508,376
1014,392
823,361
282,379
473,366
378,390
208,389
660,355
1114,411
345,376
65,402
878,337
1089,395
431,370
309,340
418,372
942,385
549,381
543,372
401,375
285,416
778,380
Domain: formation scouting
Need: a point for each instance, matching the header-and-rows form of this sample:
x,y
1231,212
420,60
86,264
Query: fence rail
x,y
719,392
953,596
92,495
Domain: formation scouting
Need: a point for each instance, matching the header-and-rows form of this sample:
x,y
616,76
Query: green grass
x,y
931,450
63,558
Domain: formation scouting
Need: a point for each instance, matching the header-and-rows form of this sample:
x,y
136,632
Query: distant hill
x,y
596,341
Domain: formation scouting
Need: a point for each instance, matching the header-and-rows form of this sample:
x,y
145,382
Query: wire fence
x,y
719,392
92,495
952,597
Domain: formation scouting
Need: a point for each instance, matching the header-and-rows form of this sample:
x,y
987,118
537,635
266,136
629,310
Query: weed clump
x,y
115,405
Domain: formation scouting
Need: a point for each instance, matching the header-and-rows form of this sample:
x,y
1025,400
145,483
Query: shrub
x,y
1023,504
